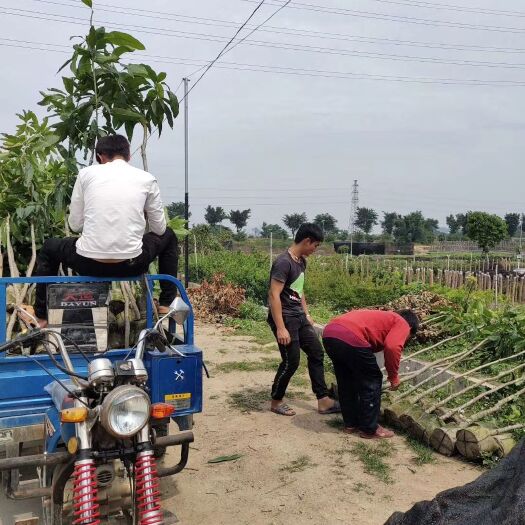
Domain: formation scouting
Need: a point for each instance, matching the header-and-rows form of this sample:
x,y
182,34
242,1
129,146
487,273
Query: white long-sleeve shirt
x,y
108,206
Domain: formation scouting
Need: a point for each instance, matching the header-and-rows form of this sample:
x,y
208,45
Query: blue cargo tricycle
x,y
82,428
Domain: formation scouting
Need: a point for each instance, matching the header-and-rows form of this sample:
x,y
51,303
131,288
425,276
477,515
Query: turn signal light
x,y
161,410
73,415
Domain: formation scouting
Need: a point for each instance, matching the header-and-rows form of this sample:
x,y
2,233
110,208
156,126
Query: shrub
x,y
250,271
252,310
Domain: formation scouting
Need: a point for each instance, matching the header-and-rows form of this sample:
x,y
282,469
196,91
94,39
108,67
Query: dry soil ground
x,y
291,470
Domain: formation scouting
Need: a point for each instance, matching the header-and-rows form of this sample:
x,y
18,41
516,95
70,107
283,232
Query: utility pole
x,y
186,192
354,204
521,239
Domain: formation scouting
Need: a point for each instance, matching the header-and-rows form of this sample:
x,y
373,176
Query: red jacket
x,y
374,329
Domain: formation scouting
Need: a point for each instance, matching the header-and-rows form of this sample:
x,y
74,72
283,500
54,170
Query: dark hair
x,y
112,146
411,318
310,231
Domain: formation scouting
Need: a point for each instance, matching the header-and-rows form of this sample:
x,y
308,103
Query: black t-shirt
x,y
290,272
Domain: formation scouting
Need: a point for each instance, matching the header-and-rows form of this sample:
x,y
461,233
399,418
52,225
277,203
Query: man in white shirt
x,y
110,206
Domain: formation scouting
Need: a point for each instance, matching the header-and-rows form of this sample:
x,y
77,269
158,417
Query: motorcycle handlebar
x,y
34,334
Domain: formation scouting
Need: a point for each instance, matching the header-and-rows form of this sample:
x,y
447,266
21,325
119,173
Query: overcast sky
x,y
279,143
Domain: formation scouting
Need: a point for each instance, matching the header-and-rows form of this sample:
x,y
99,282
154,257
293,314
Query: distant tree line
x,y
484,228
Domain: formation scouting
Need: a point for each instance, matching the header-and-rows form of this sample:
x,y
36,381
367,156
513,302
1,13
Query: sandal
x,y
283,410
334,409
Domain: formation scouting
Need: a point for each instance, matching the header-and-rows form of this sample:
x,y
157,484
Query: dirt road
x,y
297,470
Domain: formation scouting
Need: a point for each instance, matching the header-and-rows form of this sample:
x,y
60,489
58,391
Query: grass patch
x,y
423,454
259,330
265,365
249,399
300,379
297,394
363,487
372,458
298,465
336,422
255,399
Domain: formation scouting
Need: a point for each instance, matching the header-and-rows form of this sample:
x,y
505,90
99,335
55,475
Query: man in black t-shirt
x,y
292,325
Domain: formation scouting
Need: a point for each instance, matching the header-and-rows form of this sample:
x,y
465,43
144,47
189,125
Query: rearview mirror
x,y
179,310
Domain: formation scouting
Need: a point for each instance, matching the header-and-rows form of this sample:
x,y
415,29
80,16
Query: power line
x,y
343,52
292,31
380,56
277,11
394,18
210,65
307,48
450,7
513,30
261,68
226,49
250,33
409,3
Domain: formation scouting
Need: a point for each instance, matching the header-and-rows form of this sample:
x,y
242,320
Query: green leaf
x,y
128,115
137,70
174,103
84,66
178,225
221,459
105,59
167,113
69,84
64,65
91,38
117,38
89,3
129,126
50,140
118,51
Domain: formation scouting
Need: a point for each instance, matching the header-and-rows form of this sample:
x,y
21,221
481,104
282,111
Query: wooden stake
x,y
443,402
481,396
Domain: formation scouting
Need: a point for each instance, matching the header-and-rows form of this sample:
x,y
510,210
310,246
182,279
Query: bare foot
x,y
42,323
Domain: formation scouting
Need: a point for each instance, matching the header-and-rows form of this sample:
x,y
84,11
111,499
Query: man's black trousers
x,y
359,383
55,252
303,337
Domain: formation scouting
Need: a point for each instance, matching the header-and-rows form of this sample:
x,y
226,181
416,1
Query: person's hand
x,y
283,336
309,319
394,384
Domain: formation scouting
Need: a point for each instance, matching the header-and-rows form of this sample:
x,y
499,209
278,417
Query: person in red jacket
x,y
357,342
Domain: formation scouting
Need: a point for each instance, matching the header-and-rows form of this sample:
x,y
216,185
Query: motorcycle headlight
x,y
125,411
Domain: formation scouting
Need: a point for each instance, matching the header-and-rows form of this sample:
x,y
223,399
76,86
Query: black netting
x,y
497,497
